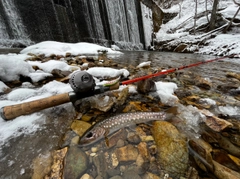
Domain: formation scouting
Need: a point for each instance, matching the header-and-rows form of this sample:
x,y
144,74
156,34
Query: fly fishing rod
x,y
83,86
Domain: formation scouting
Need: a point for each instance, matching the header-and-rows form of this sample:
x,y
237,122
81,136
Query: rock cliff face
x,y
104,22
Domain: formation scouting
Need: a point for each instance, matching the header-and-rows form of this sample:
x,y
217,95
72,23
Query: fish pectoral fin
x,y
106,137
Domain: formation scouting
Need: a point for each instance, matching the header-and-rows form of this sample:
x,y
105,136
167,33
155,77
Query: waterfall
x,y
11,26
104,22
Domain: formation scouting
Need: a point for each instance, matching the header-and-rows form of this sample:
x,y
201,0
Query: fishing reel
x,y
82,82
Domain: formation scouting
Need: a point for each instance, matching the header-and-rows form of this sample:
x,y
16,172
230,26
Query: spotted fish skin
x,y
112,124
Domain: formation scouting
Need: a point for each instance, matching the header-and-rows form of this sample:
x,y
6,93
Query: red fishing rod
x,y
83,86
171,70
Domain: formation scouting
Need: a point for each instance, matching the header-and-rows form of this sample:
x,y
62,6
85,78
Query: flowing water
x,y
18,154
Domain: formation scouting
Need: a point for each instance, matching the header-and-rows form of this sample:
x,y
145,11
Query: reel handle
x,y
13,111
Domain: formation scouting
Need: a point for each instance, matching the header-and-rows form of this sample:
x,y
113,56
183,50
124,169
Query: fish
x,y
108,126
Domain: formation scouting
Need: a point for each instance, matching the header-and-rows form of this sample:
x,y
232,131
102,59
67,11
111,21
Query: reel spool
x,y
82,82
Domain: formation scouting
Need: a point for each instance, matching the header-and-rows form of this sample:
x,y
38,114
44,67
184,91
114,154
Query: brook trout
x,y
104,128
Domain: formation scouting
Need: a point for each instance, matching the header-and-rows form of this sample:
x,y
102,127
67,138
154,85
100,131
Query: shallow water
x,y
17,154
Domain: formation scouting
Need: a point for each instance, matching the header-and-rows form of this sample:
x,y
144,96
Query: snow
x,y
59,48
103,72
53,64
165,90
178,28
13,65
144,64
3,87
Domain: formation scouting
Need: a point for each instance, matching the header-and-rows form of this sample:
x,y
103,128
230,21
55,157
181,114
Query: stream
x,y
19,156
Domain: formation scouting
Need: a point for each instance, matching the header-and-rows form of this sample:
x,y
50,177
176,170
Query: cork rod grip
x,y
11,112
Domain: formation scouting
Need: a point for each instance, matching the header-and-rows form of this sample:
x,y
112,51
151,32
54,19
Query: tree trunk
x,y
213,15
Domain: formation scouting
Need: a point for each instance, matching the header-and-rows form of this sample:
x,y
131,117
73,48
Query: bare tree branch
x,y
236,2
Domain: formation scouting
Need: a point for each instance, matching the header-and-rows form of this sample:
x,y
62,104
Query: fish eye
x,y
89,135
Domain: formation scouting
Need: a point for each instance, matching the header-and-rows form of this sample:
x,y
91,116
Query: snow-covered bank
x,y
58,48
180,35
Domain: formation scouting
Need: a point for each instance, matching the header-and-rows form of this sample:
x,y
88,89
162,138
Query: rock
x,y
235,160
114,159
122,97
41,166
127,153
67,138
80,127
215,123
59,73
223,158
149,175
113,172
58,163
86,176
222,172
192,173
116,177
172,148
181,47
130,174
133,138
203,83
142,148
225,143
103,103
146,86
101,163
201,152
76,163
233,75
114,138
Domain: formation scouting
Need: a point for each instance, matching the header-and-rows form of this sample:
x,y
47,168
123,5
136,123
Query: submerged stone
x,y
172,149
76,163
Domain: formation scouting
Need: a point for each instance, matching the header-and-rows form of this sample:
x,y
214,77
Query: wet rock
x,y
101,161
233,75
223,158
227,87
113,172
67,138
235,139
58,163
130,174
133,138
114,138
76,163
201,152
80,127
86,176
116,177
222,172
41,166
215,123
235,160
122,97
172,148
192,173
180,48
149,175
114,160
59,73
127,153
203,83
102,103
225,143
146,86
